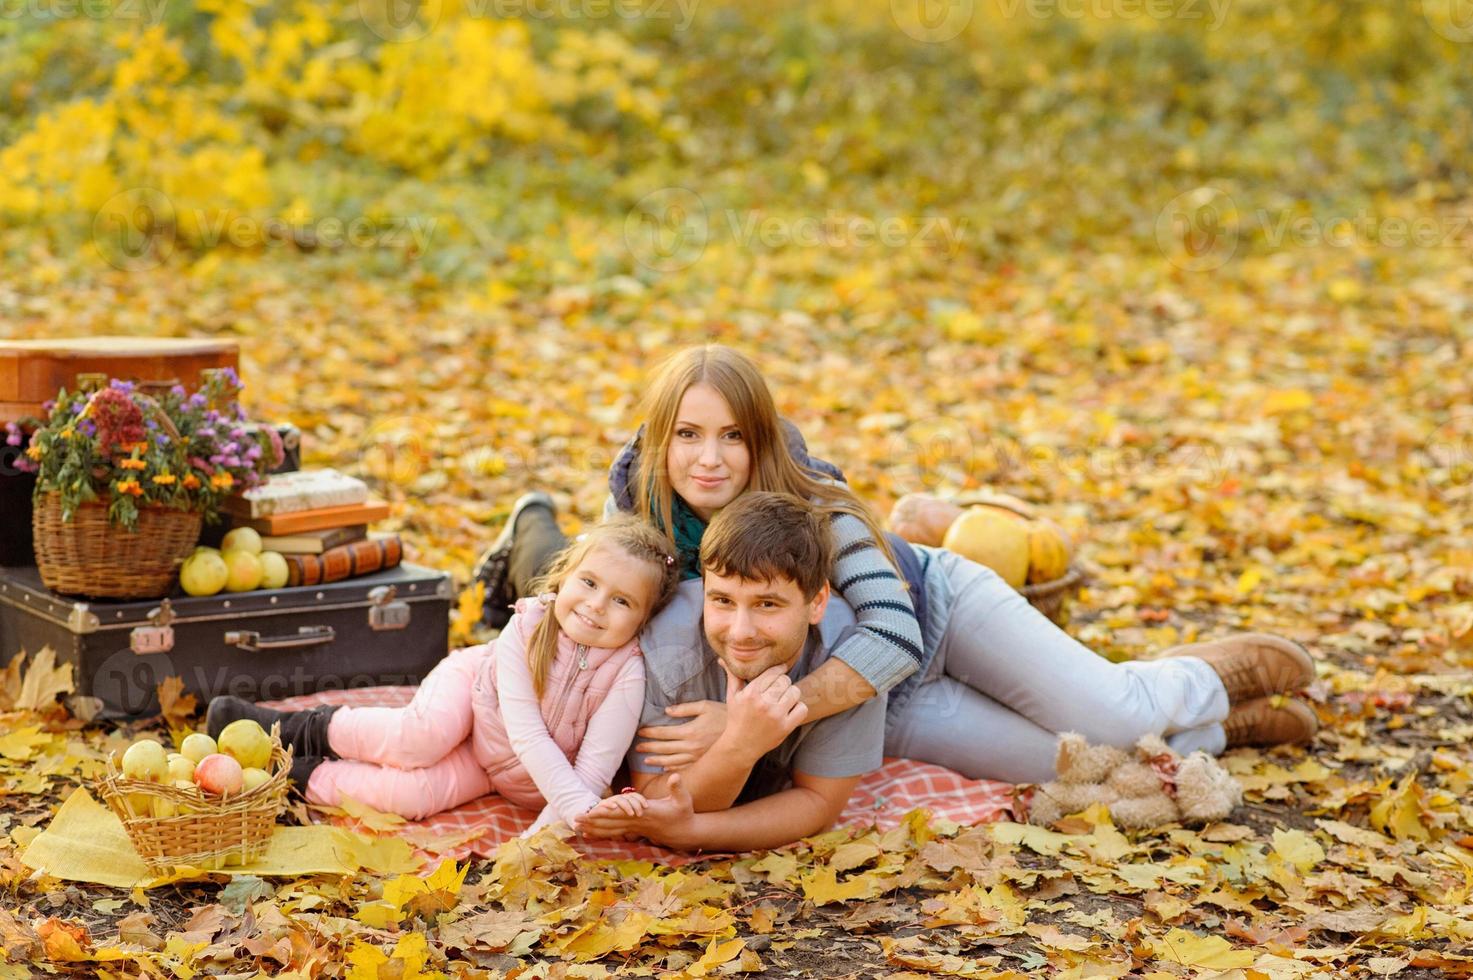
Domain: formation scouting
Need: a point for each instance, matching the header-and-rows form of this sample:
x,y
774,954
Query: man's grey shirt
x,y
680,666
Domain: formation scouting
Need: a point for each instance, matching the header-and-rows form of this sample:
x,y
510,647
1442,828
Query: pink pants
x,y
416,760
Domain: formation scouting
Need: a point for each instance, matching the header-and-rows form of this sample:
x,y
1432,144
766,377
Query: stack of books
x,y
319,521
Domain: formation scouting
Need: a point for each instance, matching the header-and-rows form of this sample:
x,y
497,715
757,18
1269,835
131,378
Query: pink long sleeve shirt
x,y
560,752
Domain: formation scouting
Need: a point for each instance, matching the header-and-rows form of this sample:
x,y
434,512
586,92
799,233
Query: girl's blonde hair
x,y
629,534
740,383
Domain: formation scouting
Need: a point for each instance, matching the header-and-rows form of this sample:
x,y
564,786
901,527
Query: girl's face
x,y
708,461
605,600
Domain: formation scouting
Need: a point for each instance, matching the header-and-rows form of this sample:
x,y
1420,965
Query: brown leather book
x,y
344,561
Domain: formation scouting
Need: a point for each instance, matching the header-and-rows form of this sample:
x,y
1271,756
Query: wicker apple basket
x,y
203,831
1052,597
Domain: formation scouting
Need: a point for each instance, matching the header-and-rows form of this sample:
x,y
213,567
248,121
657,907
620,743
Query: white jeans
x,y
1005,681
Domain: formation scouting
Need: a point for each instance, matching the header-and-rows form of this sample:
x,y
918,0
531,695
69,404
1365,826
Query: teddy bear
x,y
1149,788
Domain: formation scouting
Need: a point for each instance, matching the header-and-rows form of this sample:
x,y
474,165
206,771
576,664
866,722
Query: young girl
x,y
542,716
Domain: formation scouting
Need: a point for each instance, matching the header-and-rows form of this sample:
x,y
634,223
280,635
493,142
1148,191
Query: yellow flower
x,y
68,432
222,481
190,481
131,487
165,479
35,452
133,464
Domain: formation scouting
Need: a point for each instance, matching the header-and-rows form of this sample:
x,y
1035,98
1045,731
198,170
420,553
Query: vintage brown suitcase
x,y
33,371
390,627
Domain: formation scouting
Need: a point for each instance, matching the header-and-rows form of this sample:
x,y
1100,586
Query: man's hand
x,y
669,820
676,746
762,712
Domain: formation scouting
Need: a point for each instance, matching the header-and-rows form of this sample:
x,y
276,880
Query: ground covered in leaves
x,y
1198,290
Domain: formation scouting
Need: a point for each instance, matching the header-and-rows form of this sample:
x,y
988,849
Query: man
x,y
994,690
760,620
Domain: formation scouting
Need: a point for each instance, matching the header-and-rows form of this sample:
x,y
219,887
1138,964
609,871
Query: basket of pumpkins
x,y
208,804
1030,552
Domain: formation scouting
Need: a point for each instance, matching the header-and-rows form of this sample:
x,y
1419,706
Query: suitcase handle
x,y
306,636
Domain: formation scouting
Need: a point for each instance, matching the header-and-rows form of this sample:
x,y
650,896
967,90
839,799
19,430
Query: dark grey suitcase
x,y
391,627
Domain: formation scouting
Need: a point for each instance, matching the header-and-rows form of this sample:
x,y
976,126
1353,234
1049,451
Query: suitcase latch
x,y
157,638
386,613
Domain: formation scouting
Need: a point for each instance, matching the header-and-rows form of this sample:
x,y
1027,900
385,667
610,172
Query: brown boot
x,y
1252,664
1274,720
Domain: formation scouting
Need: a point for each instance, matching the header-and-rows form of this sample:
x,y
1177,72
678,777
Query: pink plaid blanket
x,y
882,799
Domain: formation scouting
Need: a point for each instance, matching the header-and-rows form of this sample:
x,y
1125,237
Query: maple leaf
x,y
1209,952
64,941
176,707
43,682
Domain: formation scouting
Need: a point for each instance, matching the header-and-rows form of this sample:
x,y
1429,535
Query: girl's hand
x,y
677,746
669,820
622,805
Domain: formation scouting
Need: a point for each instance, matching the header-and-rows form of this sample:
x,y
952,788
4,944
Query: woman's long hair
x,y
629,534
740,383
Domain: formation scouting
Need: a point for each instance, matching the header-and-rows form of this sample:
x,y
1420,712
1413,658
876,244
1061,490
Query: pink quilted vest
x,y
577,683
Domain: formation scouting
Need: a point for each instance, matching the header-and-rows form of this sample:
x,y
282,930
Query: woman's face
x,y
708,462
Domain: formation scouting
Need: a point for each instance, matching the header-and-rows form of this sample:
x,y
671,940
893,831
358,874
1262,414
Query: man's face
x,y
755,625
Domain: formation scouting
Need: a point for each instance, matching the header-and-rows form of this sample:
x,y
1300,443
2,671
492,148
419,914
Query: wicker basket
x,y
1051,598
89,556
206,832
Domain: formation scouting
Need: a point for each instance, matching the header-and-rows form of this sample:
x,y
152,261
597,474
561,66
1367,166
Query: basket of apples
x,y
207,805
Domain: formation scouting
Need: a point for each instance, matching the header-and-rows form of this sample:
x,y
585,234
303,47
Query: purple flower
x,y
126,387
161,439
230,447
217,458
205,433
229,375
88,428
12,436
150,424
240,412
253,453
177,391
77,407
197,401
237,433
48,405
233,461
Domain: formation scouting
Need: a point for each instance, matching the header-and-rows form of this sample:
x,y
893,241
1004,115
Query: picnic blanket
x,y
882,799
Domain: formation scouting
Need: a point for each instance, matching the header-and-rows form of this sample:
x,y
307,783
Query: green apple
x,y
243,570
146,759
180,767
273,570
247,742
203,573
196,746
243,539
253,777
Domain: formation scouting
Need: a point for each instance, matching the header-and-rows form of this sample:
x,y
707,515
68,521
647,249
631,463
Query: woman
x,y
712,432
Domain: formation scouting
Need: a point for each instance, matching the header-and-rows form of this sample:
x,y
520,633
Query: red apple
x,y
219,775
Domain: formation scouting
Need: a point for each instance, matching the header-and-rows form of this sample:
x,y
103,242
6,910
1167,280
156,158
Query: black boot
x,y
301,771
529,538
304,731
